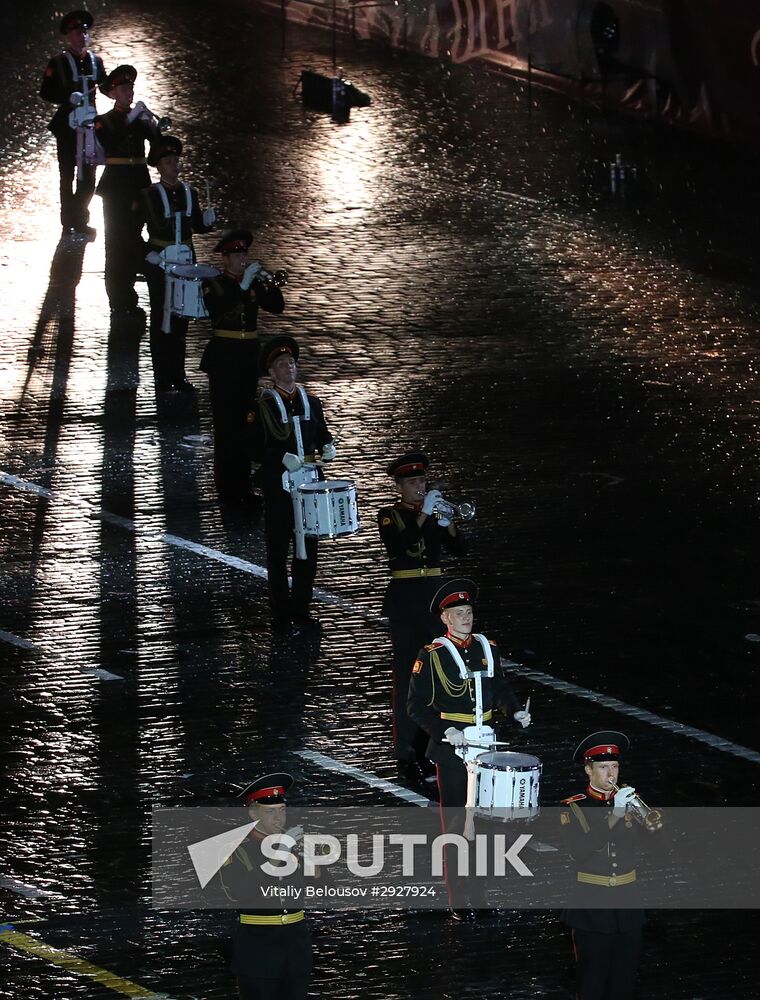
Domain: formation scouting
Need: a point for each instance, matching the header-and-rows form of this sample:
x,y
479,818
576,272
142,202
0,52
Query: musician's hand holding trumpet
x,y
622,800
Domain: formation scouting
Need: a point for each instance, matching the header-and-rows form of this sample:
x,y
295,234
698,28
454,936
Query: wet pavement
x,y
460,280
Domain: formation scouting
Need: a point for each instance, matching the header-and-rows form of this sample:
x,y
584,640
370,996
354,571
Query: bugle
x,y
271,279
465,510
651,819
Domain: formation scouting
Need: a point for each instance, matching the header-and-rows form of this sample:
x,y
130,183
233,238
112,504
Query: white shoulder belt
x,y
162,194
284,417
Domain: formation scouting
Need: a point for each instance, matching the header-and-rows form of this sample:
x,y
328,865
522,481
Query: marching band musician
x,y
442,701
601,838
271,949
122,133
413,538
274,444
69,75
231,359
157,208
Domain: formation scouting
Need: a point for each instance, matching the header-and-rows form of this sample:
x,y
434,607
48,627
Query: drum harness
x,y
89,151
292,480
467,677
173,253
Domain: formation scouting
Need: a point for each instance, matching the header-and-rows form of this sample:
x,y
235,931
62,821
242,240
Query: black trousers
x,y
451,772
124,249
167,350
232,369
606,963
75,194
287,988
287,605
407,605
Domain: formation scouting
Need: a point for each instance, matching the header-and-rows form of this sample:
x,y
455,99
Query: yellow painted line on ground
x,y
33,946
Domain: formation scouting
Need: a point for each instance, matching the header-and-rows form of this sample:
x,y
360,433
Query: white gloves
x,y
455,736
209,217
444,522
137,110
523,718
76,98
622,800
291,462
431,499
153,257
248,275
328,452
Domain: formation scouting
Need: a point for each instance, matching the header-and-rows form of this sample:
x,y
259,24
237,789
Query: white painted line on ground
x,y
327,597
104,675
14,640
330,764
27,891
717,742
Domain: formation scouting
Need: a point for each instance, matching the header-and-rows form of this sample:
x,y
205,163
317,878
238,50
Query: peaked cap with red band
x,y
275,348
601,746
235,241
122,74
76,19
413,463
268,791
167,145
454,594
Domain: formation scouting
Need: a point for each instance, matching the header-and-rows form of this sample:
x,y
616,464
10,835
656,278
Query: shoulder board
x,y
434,645
491,642
573,798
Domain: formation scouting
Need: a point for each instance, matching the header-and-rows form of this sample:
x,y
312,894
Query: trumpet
x,y
272,279
465,510
161,124
651,819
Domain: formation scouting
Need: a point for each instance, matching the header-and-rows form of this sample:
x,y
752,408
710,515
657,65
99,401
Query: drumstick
x,y
527,705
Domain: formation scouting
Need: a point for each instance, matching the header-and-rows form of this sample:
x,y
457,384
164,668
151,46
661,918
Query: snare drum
x,y
507,786
328,509
187,288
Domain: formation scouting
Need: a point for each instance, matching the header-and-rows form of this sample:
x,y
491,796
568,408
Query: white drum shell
x,y
508,786
186,281
328,509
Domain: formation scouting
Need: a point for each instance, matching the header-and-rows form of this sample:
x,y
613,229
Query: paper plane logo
x,y
209,855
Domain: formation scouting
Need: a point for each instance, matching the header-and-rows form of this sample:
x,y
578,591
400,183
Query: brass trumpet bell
x,y
464,511
651,819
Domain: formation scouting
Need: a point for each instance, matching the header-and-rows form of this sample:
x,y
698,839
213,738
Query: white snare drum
x,y
186,282
507,786
328,508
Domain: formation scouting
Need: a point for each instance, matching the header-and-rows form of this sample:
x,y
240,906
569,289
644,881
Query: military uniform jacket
x,y
152,212
122,140
410,546
233,308
271,951
606,855
270,438
58,84
436,688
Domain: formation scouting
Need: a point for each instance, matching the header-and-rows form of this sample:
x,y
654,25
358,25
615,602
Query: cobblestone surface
x,y
584,370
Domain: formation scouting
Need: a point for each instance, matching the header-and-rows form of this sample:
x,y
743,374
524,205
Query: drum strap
x,y
165,200
75,71
464,673
467,675
284,415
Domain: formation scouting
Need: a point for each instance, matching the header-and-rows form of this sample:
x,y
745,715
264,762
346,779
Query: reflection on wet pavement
x,y
585,371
